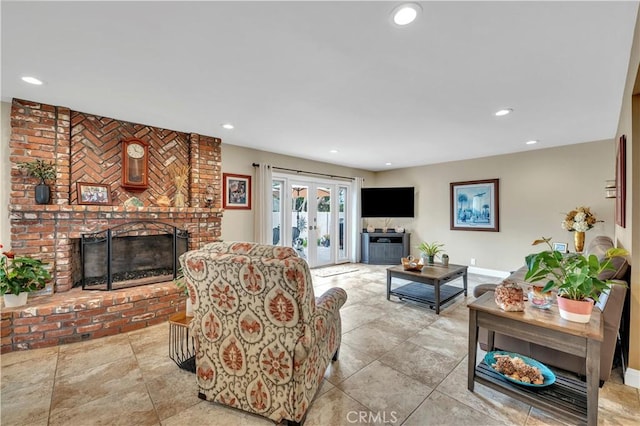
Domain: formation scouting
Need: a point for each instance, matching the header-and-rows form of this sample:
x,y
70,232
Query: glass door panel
x,y
300,219
323,225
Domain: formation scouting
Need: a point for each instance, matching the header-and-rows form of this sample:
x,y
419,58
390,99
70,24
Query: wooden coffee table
x,y
435,293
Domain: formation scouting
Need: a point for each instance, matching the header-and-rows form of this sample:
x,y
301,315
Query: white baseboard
x,y
488,272
632,378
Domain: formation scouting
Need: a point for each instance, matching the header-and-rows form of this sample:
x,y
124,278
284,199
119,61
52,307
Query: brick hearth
x,y
77,315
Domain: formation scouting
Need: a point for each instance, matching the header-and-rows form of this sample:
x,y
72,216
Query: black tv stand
x,y
384,248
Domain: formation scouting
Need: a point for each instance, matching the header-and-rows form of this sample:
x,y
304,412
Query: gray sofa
x,y
611,304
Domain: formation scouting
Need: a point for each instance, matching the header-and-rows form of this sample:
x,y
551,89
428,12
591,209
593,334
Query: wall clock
x,y
135,164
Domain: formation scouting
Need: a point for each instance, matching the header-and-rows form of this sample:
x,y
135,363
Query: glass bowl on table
x,y
539,299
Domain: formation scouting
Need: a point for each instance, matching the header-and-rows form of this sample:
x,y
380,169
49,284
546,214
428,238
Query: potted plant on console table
x,y
20,275
574,276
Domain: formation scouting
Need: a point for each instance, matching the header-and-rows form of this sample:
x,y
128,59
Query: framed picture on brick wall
x,y
93,193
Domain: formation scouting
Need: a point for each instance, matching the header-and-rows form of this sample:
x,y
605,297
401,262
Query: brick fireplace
x,y
86,148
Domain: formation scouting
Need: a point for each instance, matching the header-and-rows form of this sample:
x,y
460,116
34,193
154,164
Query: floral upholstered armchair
x,y
263,341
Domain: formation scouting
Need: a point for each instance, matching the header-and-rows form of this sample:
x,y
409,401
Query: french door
x,y
312,217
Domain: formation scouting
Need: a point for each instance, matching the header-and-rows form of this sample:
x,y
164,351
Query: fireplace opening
x,y
131,254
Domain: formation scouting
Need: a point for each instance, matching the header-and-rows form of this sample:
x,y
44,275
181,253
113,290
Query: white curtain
x,y
262,231
355,219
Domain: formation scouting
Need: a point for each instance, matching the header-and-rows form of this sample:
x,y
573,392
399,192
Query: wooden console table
x,y
569,398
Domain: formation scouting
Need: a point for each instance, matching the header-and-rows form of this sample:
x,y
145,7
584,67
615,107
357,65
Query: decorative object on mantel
x,y
509,296
579,221
399,229
93,193
20,275
209,196
43,171
430,250
162,201
179,175
135,164
133,202
576,278
371,229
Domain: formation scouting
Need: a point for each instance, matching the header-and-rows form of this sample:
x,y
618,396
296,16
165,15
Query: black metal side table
x,y
181,344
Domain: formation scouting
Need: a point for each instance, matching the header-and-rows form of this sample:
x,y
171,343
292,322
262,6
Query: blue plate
x,y
548,377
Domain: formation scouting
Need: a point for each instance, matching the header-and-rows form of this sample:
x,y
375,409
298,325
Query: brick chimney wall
x,y
86,148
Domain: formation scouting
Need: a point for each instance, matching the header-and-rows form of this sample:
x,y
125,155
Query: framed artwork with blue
x,y
475,205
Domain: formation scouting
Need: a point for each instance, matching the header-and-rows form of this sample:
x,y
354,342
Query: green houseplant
x,y
430,250
575,277
43,171
20,275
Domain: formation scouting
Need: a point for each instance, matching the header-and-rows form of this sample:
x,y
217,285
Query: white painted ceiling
x,y
303,78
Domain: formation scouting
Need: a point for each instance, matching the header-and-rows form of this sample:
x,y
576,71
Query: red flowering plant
x,y
21,273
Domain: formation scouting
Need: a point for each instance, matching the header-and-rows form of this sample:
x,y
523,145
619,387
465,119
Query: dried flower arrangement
x,y
179,175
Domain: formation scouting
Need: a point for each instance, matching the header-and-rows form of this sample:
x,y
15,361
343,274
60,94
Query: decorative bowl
x,y
540,300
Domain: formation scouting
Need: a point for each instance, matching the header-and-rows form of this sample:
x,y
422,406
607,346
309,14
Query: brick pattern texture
x,y
82,315
86,148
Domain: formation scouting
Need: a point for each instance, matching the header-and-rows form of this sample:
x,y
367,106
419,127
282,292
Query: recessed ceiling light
x,y
505,111
531,142
334,151
405,14
387,164
32,80
227,126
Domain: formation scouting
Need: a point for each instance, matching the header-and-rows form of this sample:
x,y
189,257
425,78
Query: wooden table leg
x,y
464,280
593,380
473,348
388,285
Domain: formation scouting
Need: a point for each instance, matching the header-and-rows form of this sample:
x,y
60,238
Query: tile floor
x,y
129,379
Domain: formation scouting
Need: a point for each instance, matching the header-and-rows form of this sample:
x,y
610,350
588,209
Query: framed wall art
x,y
93,193
237,191
561,247
474,205
621,181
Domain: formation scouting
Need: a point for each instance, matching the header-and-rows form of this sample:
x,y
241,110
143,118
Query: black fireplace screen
x,y
131,254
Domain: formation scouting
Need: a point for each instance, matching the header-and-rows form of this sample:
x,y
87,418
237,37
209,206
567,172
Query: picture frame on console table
x,y
236,191
475,205
93,193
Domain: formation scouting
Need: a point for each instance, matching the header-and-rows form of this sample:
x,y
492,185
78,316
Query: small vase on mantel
x,y
578,241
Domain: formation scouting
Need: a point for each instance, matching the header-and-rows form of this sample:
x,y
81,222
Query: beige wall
x,y
5,174
629,237
237,225
536,188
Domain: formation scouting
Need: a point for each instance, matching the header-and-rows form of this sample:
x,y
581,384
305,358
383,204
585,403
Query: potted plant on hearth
x,y
430,250
575,277
181,282
43,171
20,275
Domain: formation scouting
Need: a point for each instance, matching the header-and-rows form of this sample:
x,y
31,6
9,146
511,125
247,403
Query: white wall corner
x,y
632,378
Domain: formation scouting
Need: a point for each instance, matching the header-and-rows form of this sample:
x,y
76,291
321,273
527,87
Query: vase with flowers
x,y
579,221
20,275
574,276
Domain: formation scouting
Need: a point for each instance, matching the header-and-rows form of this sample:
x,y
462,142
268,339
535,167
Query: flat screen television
x,y
387,202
